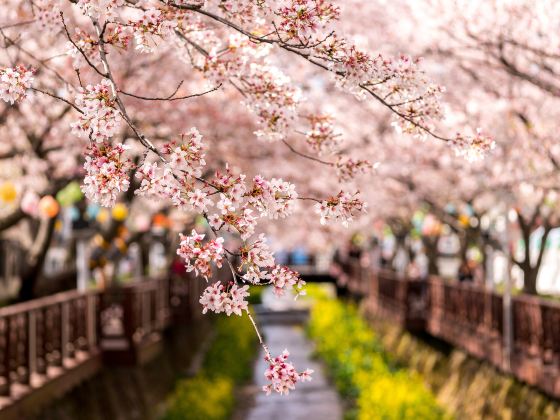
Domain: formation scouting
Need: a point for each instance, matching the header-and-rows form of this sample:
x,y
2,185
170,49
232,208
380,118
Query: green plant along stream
x,y
363,373
210,394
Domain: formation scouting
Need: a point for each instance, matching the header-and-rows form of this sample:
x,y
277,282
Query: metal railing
x,y
50,338
470,316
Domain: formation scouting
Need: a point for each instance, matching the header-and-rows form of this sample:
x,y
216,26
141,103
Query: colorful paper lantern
x,y
8,192
48,206
102,215
119,212
464,220
30,203
160,220
92,210
70,194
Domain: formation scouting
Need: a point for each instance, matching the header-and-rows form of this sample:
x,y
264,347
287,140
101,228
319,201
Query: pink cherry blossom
x,y
283,278
322,135
274,198
229,299
150,29
100,119
199,256
106,173
344,206
14,83
98,8
473,148
282,375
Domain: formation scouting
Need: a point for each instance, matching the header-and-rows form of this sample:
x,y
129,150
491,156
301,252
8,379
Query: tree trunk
x,y
431,248
530,280
35,260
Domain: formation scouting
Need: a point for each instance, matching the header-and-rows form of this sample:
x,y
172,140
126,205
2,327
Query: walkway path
x,y
315,400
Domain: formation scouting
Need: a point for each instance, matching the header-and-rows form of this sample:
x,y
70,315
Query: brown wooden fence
x,y
49,344
471,317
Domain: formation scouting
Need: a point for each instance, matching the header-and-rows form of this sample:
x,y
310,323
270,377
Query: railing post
x,y
90,323
487,311
145,295
6,390
40,325
32,344
129,317
64,332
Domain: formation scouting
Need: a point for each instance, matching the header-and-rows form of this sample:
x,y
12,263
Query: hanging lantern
x,y
48,206
119,212
142,223
160,220
92,210
102,215
8,192
464,220
30,203
69,194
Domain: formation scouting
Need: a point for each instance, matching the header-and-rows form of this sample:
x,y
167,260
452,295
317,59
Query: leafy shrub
x,y
210,394
315,292
255,294
201,398
232,350
362,371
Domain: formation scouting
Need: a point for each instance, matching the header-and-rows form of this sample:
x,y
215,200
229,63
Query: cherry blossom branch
x,y
103,56
307,56
52,95
84,55
17,24
172,96
261,341
293,150
404,116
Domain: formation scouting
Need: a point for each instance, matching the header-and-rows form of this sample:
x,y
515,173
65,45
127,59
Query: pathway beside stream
x,y
315,400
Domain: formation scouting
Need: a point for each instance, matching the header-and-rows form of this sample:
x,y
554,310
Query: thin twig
x,y
171,97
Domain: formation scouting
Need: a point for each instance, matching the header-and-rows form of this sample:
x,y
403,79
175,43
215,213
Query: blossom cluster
x,y
344,206
241,11
175,180
150,29
97,8
322,135
242,221
398,83
283,278
272,97
106,173
48,15
100,118
198,256
274,198
187,156
14,82
282,374
255,260
473,148
232,58
302,18
229,299
347,168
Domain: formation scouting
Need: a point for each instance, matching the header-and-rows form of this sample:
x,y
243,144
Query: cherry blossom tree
x,y
128,73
